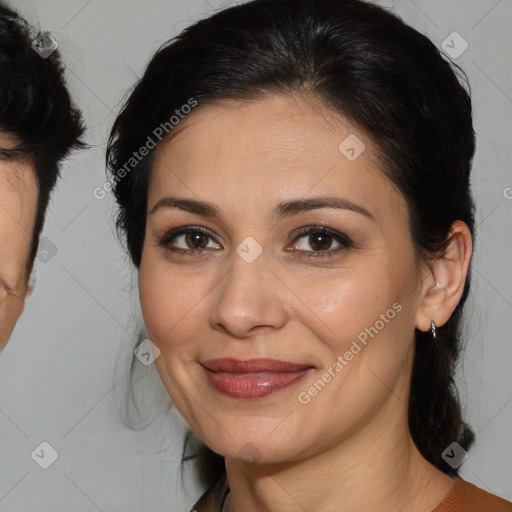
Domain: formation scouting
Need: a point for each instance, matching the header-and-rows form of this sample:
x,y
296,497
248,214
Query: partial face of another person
x,y
252,275
18,203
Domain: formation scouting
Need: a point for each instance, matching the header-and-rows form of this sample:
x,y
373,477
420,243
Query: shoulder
x,y
467,497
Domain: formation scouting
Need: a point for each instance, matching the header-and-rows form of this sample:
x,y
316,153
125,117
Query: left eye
x,y
321,240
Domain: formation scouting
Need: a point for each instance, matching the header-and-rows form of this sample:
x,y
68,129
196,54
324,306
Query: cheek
x,y
343,306
15,240
171,303
10,311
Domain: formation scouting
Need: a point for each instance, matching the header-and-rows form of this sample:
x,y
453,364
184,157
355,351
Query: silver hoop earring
x,y
433,329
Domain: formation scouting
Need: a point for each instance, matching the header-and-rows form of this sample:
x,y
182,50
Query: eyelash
x,y
342,239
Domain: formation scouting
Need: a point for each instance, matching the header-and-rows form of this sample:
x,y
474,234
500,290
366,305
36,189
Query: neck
x,y
379,468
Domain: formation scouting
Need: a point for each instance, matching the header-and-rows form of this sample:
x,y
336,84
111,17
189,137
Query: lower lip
x,y
253,385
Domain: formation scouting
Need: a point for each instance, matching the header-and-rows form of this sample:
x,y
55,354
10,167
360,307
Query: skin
x,y
18,202
349,448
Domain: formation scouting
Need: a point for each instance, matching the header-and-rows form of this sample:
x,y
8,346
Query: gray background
x,y
63,375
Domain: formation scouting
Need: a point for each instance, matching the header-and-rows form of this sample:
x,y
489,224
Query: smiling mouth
x,y
253,378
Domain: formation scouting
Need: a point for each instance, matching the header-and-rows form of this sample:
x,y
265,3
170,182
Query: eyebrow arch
x,y
283,209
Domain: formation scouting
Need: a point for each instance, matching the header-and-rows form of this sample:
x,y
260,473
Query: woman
x,y
293,186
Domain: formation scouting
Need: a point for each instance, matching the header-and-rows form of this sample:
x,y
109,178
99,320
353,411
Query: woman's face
x,y
241,280
18,202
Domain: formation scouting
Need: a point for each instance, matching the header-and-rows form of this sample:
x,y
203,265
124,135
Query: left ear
x,y
445,277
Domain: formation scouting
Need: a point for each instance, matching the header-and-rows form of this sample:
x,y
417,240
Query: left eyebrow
x,y
281,210
294,207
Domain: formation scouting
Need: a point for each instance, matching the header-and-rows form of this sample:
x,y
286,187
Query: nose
x,y
249,298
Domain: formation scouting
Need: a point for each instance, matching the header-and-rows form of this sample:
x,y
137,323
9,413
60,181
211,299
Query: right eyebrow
x,y
189,205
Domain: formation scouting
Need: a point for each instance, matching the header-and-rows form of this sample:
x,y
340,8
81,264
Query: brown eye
x,y
321,239
318,242
188,239
195,240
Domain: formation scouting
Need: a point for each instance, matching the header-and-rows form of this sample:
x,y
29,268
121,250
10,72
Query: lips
x,y
252,365
253,378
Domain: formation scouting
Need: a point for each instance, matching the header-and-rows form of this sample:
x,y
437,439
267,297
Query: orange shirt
x,y
464,497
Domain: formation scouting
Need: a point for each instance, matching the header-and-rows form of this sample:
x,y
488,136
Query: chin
x,y
256,444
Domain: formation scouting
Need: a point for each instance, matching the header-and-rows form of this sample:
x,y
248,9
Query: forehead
x,y
288,128
267,149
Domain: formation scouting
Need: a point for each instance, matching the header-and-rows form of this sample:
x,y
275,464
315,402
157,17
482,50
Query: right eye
x,y
189,240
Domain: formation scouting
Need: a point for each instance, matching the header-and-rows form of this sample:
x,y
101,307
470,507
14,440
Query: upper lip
x,y
252,365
